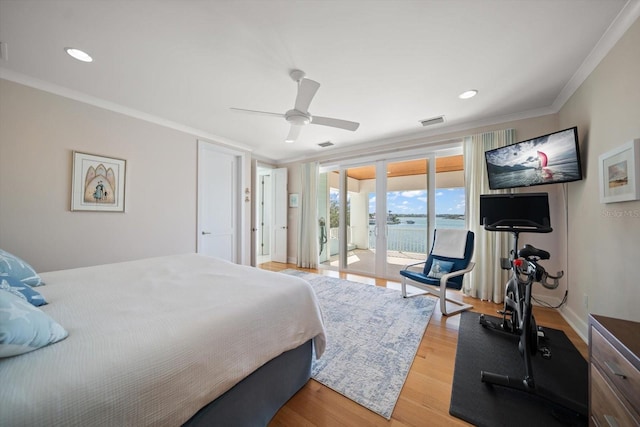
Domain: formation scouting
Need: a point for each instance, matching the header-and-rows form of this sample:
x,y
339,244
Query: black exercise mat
x,y
481,349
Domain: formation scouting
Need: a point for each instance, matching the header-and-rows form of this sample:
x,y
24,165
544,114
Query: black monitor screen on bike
x,y
528,210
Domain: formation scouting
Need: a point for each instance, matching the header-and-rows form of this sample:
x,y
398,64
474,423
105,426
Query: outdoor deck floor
x,y
363,261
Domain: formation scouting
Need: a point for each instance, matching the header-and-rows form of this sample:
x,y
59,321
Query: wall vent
x,y
432,121
326,144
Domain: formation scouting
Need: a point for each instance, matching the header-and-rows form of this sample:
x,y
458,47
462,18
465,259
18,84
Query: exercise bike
x,y
518,213
517,316
524,266
528,271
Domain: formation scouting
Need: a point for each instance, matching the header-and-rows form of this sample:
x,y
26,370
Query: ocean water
x,y
406,237
421,222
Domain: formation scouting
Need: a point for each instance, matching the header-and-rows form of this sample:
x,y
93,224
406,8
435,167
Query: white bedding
x,y
152,341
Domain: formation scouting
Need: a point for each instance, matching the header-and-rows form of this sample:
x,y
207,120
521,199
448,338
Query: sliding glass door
x,y
344,201
407,221
380,216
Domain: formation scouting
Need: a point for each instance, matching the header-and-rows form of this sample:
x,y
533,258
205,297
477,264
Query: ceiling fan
x,y
299,115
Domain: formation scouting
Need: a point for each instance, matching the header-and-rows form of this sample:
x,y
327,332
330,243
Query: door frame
x,y
256,226
255,207
280,215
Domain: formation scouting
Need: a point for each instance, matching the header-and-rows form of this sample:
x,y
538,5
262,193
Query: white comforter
x,y
152,341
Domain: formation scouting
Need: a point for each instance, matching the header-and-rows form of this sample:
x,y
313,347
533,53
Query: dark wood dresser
x,y
614,372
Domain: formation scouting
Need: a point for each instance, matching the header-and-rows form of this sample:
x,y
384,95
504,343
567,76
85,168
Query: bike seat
x,y
529,251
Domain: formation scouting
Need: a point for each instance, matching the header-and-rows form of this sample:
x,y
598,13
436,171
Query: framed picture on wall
x,y
97,183
619,170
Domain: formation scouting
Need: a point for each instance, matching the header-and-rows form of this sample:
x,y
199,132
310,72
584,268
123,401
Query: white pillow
x,y
24,328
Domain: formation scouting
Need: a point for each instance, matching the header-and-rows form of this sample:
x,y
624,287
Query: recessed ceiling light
x,y
78,54
468,94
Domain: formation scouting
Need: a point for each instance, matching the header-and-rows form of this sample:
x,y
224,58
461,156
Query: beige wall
x,y
604,239
38,132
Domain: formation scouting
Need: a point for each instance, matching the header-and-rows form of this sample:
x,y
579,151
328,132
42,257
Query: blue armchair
x,y
449,260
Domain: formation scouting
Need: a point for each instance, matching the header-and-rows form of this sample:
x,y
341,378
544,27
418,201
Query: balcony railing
x,y
403,239
399,238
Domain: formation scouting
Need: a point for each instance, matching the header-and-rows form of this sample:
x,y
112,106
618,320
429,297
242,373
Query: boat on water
x,y
409,221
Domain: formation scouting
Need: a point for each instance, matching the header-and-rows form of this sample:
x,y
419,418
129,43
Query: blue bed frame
x,y
256,399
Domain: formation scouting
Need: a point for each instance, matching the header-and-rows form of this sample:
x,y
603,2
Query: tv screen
x,y
547,159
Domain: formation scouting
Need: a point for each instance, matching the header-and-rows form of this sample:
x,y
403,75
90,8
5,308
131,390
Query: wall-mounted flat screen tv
x,y
547,159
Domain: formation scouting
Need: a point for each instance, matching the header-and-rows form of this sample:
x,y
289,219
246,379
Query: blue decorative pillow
x,y
24,328
439,268
24,291
11,265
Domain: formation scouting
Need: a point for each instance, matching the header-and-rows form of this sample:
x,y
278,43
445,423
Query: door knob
x,y
206,232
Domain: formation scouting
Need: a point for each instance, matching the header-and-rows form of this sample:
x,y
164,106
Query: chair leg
x,y
461,306
441,294
403,289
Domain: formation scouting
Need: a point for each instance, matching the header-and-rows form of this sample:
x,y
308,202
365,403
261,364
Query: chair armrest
x,y
414,264
445,277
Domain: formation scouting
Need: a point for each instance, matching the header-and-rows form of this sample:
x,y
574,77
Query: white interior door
x,y
217,202
280,211
262,215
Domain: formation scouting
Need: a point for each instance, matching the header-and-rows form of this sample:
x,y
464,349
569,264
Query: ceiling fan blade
x,y
336,123
306,91
264,113
294,132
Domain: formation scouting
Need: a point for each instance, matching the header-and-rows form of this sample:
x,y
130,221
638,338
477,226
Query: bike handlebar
x,y
534,271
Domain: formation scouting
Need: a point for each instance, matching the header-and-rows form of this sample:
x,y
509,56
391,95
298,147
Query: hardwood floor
x,y
424,400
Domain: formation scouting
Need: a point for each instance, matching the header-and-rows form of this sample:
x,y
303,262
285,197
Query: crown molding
x,y
627,16
426,138
117,108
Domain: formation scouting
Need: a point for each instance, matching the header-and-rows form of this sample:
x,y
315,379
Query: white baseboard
x,y
552,301
576,323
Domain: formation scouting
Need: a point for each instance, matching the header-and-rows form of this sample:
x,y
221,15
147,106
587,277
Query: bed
x,y
167,341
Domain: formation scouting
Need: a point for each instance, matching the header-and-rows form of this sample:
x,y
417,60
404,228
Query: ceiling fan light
x,y
297,118
78,54
468,94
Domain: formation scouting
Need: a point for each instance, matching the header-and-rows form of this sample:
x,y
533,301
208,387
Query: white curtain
x,y
308,216
487,280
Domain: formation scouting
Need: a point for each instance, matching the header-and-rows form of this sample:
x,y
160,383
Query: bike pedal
x,y
545,353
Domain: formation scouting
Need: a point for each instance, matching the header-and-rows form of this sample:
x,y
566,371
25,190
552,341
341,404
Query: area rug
x,y
373,335
481,349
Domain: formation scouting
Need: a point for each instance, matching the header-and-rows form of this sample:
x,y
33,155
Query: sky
x,y
448,201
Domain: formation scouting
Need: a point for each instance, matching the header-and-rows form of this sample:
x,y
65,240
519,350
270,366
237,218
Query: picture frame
x,y
97,183
293,200
619,173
